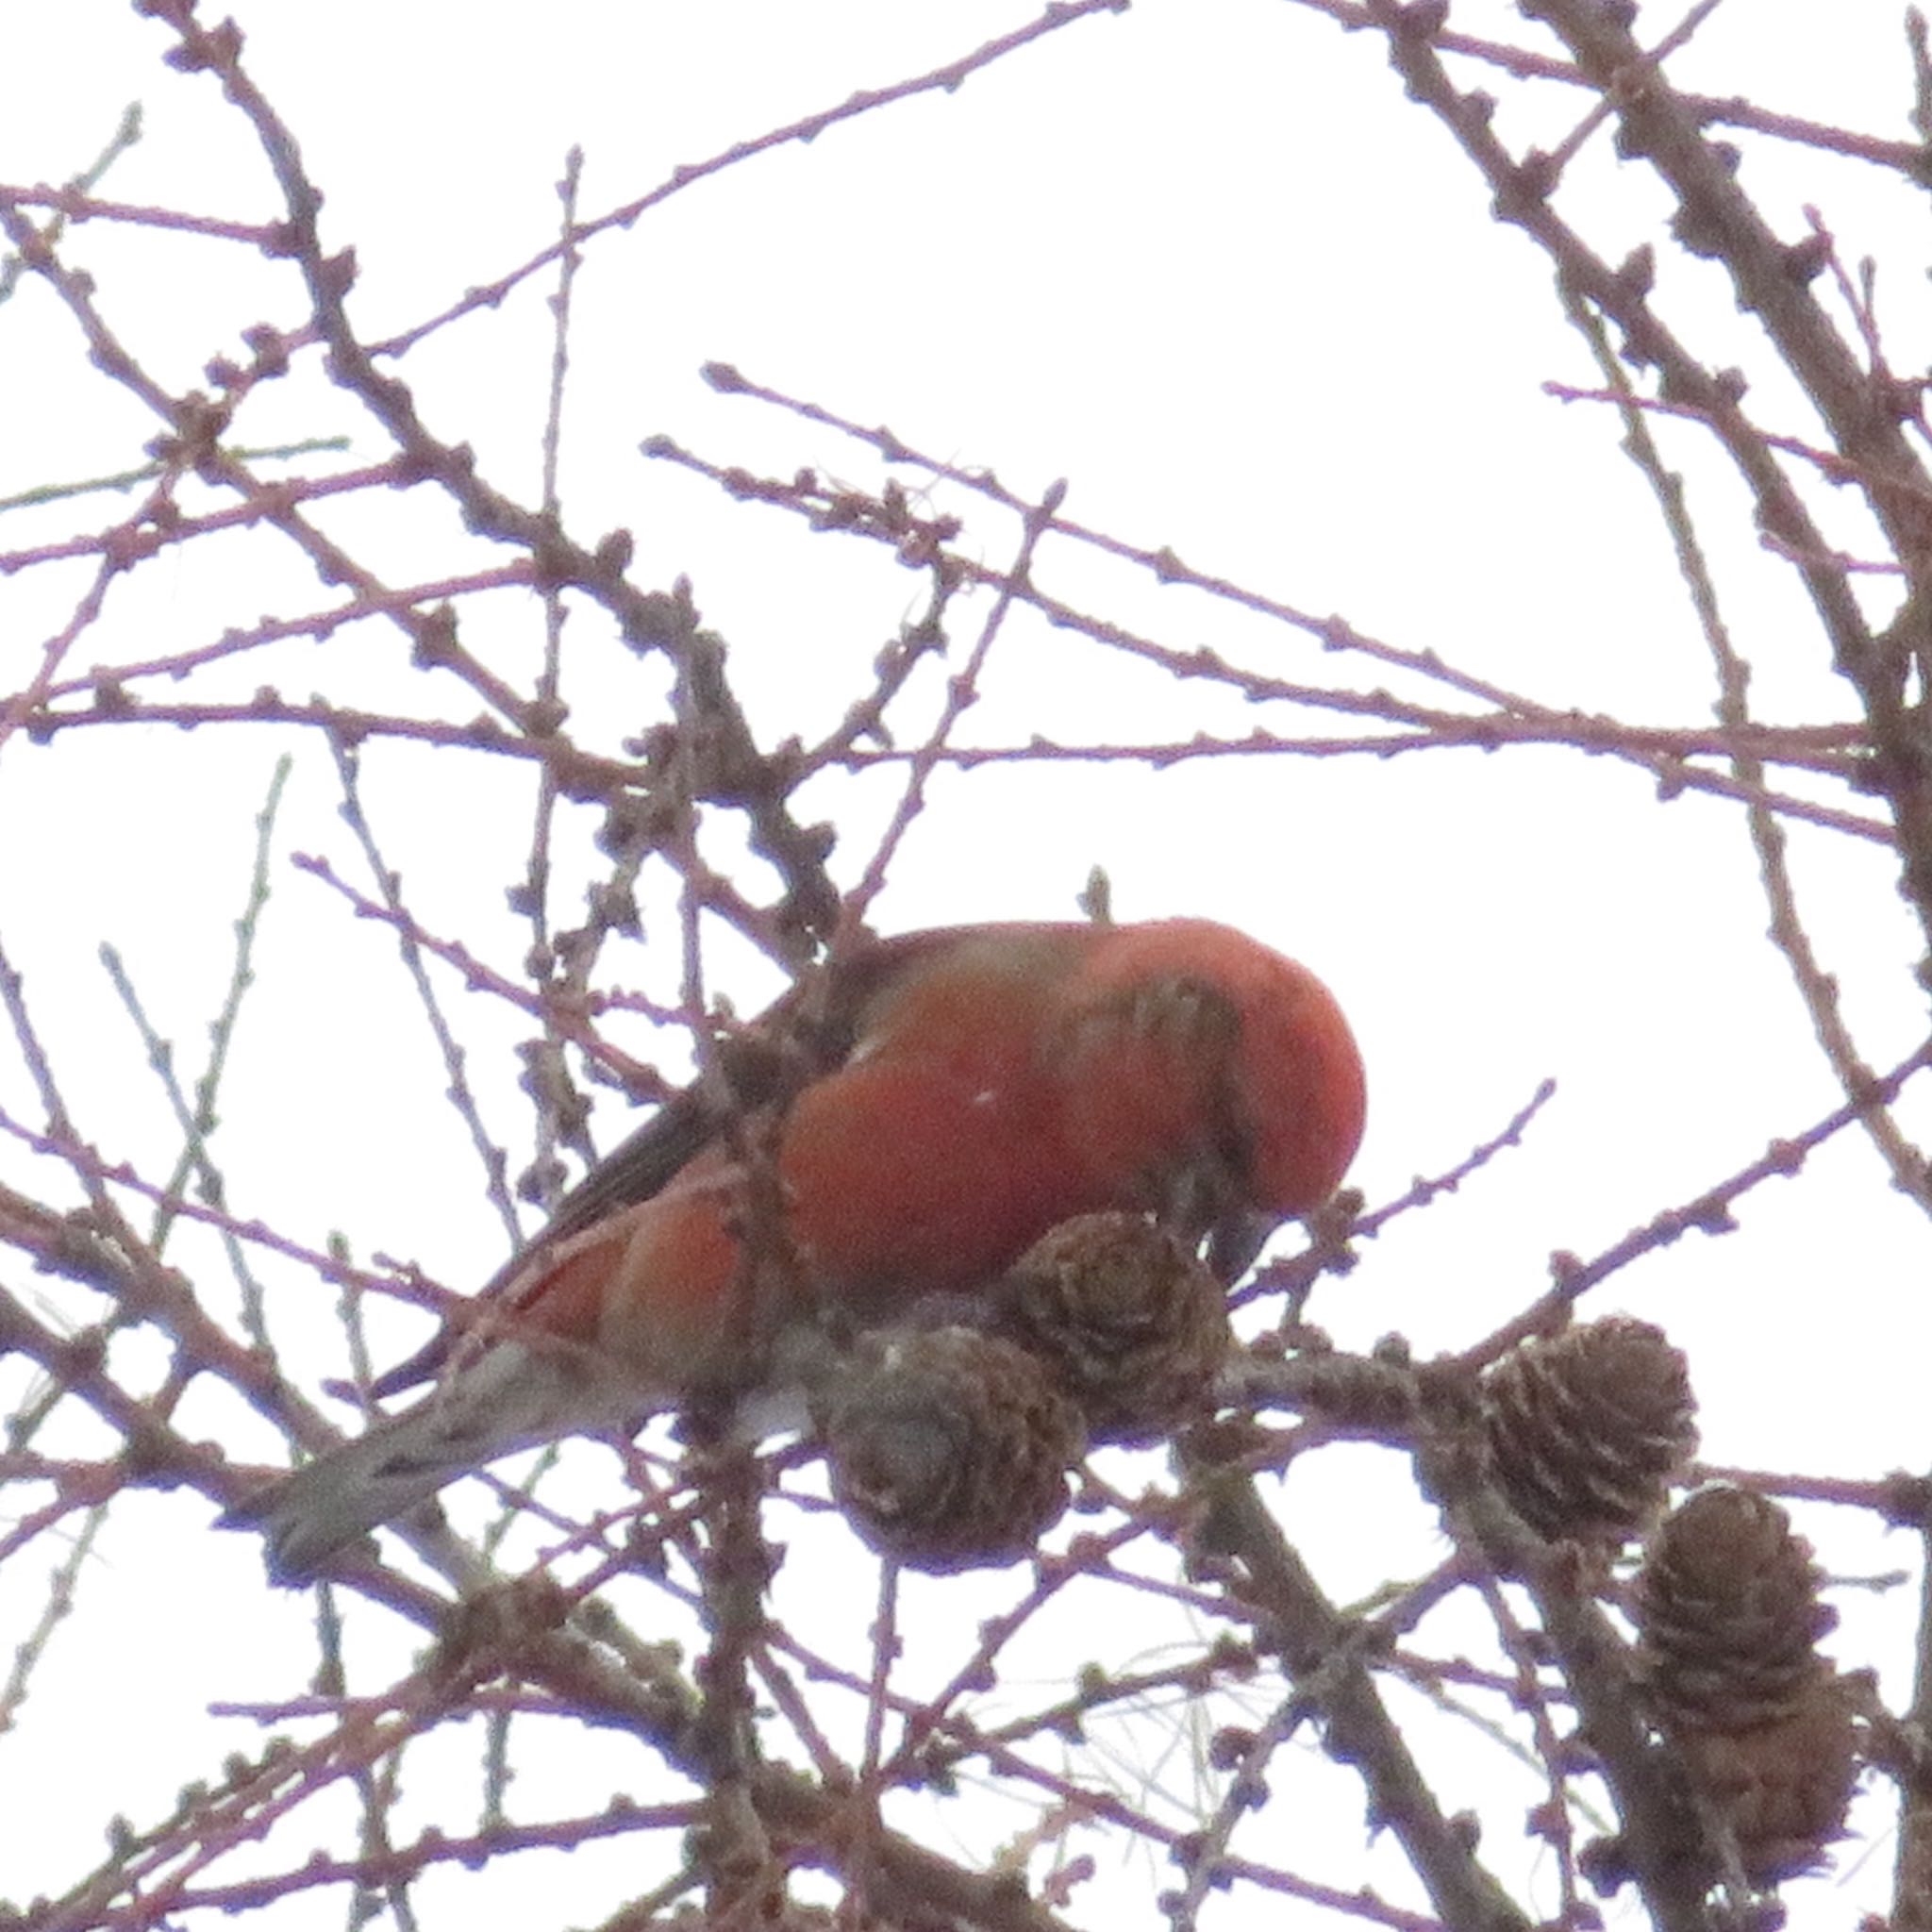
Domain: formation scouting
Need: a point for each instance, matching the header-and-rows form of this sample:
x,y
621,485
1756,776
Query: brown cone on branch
x,y
1728,1614
1729,1619
1784,1788
1587,1429
948,1448
1129,1320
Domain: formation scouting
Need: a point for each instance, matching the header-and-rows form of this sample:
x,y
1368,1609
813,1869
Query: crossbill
x,y
927,1109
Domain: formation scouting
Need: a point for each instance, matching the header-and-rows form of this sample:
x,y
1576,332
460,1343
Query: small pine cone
x,y
1129,1321
1587,1428
1783,1787
1728,1614
948,1448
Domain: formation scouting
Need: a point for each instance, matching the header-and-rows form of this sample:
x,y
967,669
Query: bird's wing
x,y
809,1031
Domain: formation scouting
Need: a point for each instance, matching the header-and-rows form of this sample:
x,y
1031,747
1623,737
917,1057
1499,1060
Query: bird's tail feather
x,y
510,1398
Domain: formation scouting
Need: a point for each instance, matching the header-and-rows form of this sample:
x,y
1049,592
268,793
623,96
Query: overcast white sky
x,y
1205,262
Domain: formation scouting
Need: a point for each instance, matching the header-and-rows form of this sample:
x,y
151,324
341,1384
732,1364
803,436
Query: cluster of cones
x,y
950,1447
1585,1432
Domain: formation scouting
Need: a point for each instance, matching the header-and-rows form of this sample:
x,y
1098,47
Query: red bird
x,y
964,1091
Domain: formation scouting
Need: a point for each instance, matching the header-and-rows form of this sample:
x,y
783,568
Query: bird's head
x,y
1281,1068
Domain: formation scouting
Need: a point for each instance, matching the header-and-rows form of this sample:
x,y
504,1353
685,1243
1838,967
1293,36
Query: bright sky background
x,y
1205,262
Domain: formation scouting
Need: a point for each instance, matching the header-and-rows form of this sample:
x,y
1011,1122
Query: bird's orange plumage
x,y
977,1087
